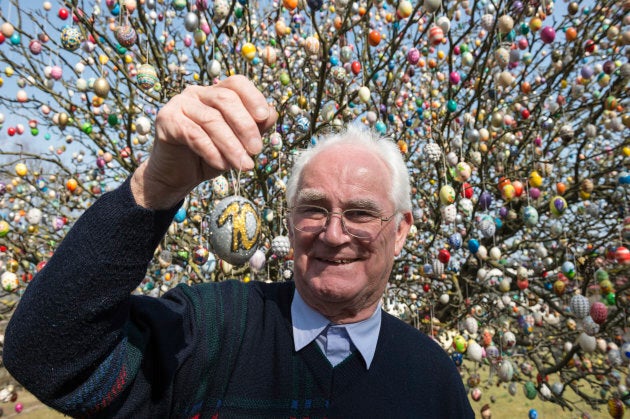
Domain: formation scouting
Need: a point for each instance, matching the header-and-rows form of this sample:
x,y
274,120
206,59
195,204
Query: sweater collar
x,y
308,324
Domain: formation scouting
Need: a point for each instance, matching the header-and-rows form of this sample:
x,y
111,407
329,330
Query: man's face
x,y
339,275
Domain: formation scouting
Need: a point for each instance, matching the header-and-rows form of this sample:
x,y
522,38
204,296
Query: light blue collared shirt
x,y
308,326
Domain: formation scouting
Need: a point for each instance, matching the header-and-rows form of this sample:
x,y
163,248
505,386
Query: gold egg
x,y
101,87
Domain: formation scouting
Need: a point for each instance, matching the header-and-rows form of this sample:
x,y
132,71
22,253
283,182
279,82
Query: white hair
x,y
366,139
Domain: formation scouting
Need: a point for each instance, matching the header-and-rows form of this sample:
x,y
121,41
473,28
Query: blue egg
x,y
16,38
180,215
381,127
473,245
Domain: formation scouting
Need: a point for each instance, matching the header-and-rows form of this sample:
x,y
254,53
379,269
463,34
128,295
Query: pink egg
x,y
547,34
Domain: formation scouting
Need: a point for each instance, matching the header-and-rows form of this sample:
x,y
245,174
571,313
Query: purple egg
x,y
587,72
534,193
503,212
547,34
485,200
413,56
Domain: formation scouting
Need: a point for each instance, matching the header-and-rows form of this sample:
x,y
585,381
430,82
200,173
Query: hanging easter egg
x,y
444,23
269,55
557,205
473,245
462,171
35,47
7,29
431,6
444,256
460,344
364,94
200,255
455,240
248,51
598,312
404,9
568,269
587,343
311,45
191,21
126,35
34,216
433,152
505,24
474,352
143,125
374,37
214,68
234,229
257,261
4,228
471,325
616,408
580,306
302,124
71,38
280,246
466,206
9,281
449,213
413,56
147,76
21,170
220,187
622,255
506,371
486,226
547,34
436,35
101,87
485,200
447,195
529,215
179,4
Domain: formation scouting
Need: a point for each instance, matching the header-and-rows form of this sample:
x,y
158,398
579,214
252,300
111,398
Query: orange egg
x,y
374,37
71,185
526,87
571,34
561,188
290,4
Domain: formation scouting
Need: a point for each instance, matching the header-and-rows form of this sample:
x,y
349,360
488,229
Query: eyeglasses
x,y
360,223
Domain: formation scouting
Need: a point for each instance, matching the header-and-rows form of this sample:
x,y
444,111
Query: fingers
x,y
222,123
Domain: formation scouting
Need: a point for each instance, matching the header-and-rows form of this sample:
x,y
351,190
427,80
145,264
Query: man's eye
x,y
312,211
359,215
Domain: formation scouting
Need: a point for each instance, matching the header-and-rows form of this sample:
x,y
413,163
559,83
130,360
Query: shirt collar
x,y
308,324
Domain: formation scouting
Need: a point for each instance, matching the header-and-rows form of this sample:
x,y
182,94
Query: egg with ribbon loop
x,y
234,229
71,38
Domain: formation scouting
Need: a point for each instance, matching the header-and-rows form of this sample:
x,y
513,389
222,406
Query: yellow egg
x,y
535,180
21,169
103,59
248,51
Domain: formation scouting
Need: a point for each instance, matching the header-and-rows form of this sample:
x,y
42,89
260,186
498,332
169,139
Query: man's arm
x,y
72,328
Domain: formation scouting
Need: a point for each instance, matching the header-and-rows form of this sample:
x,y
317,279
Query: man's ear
x,y
402,230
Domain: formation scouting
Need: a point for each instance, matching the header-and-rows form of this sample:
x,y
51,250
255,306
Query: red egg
x,y
374,37
622,255
444,256
63,13
467,190
356,67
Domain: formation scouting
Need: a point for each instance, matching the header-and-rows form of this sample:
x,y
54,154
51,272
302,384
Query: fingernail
x,y
261,112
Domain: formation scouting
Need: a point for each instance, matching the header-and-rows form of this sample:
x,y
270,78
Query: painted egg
x,y
147,76
220,187
447,194
449,213
257,261
465,206
281,246
200,255
248,50
126,35
234,229
557,205
413,56
143,125
433,152
431,6
436,35
101,87
486,226
311,45
529,215
269,55
71,38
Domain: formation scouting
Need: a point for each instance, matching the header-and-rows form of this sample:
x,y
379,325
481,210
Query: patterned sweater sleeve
x,y
78,339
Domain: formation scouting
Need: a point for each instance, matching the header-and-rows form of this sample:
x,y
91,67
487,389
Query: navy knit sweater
x,y
82,344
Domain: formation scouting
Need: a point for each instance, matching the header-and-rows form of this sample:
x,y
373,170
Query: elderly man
x,y
320,347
